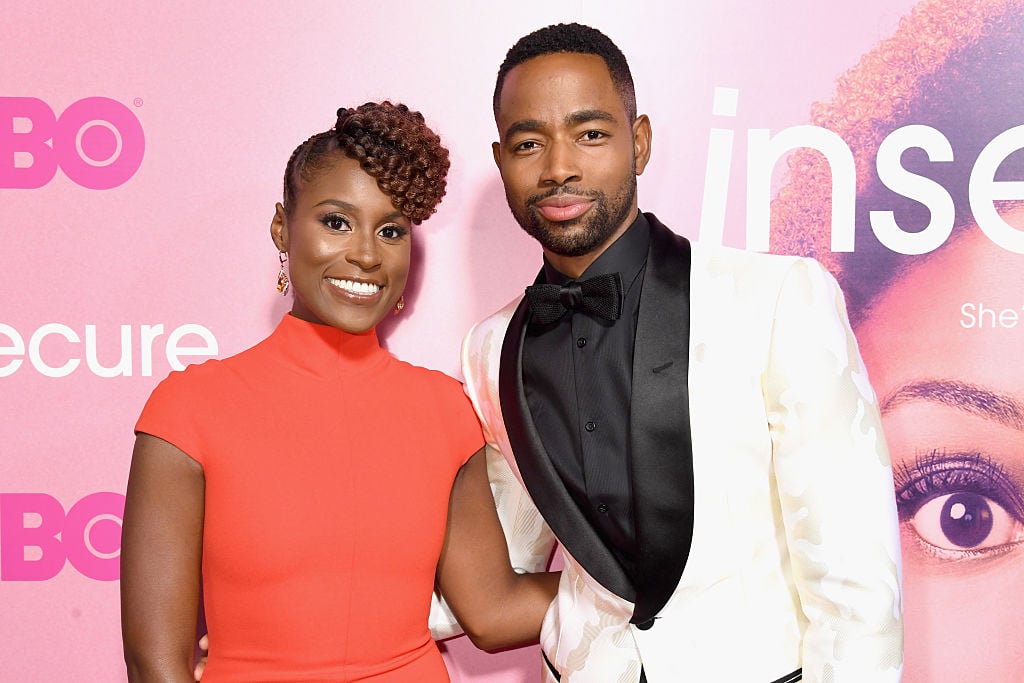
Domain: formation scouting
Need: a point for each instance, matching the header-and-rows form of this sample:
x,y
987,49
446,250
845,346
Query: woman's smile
x,y
356,288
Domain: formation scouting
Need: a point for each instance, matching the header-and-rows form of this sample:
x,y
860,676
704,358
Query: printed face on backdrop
x,y
567,154
348,248
953,408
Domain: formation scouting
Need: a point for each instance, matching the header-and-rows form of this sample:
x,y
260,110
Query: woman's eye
x,y
392,232
960,504
335,222
965,521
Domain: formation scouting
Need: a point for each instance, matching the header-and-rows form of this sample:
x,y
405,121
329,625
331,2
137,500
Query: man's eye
x,y
594,136
527,146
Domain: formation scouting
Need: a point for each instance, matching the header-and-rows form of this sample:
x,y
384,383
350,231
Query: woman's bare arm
x,y
161,555
495,606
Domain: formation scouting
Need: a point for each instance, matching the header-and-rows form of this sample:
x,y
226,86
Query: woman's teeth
x,y
361,288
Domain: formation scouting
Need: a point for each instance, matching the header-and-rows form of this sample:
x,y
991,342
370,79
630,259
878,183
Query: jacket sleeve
x,y
530,541
835,486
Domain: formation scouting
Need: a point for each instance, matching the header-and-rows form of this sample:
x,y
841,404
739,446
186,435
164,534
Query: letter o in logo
x,y
99,143
92,535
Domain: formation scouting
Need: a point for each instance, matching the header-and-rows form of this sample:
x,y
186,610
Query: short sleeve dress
x,y
328,467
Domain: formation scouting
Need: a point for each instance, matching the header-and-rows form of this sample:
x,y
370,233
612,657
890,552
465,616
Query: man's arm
x,y
834,480
530,541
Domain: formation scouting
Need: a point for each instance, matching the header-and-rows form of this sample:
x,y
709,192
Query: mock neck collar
x,y
324,351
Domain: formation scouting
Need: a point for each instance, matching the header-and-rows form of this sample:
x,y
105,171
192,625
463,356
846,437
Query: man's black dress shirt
x,y
577,375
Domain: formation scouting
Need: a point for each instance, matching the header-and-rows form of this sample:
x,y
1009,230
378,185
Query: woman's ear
x,y
279,228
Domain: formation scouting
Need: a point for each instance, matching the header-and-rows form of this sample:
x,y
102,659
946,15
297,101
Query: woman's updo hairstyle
x,y
392,143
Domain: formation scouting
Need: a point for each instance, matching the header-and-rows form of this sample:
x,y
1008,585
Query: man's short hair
x,y
572,38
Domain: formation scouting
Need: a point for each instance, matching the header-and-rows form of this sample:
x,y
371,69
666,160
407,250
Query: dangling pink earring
x,y
282,276
400,305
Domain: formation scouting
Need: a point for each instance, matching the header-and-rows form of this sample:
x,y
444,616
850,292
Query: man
x,y
693,424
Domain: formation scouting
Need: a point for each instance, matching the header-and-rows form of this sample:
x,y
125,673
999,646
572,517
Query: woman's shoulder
x,y
188,405
188,386
441,400
427,377
212,376
431,384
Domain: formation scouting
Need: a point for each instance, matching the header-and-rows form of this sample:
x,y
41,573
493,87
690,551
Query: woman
x,y
307,479
940,332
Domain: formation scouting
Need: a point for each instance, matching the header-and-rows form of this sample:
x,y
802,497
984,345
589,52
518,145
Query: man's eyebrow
x,y
524,126
572,119
585,115
969,398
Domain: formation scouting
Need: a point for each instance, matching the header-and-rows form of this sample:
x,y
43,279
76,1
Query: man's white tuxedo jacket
x,y
762,482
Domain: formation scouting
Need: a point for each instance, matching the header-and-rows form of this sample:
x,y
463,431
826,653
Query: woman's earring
x,y
282,276
400,305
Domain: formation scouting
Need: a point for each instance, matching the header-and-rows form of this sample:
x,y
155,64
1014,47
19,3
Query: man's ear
x,y
496,151
279,228
641,142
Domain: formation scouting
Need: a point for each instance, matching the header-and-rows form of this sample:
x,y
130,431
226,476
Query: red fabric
x,y
328,467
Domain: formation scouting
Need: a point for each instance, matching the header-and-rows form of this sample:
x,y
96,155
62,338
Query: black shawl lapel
x,y
660,446
542,481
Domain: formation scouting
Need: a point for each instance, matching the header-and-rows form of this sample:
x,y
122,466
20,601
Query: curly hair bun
x,y
393,144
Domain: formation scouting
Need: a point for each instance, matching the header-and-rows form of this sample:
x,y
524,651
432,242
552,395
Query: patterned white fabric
x,y
795,556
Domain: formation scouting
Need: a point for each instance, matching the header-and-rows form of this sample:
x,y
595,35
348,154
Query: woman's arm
x,y
161,554
495,606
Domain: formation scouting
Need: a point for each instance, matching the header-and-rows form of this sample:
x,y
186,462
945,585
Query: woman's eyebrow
x,y
336,202
970,398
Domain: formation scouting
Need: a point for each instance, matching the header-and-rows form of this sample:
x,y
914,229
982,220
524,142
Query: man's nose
x,y
561,164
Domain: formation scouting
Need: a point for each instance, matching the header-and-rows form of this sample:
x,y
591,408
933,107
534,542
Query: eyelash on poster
x,y
939,472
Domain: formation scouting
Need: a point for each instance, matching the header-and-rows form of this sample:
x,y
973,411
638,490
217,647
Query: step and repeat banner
x,y
142,148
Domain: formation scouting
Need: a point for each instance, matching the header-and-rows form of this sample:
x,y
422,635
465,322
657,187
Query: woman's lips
x,y
356,290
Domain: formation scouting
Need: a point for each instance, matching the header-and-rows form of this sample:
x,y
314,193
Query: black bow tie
x,y
600,296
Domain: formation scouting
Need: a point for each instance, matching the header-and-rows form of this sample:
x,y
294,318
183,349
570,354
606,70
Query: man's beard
x,y
581,235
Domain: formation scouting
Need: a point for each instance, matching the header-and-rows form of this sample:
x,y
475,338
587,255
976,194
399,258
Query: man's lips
x,y
563,207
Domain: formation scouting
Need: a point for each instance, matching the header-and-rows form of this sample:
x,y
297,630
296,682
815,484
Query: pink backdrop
x,y
136,235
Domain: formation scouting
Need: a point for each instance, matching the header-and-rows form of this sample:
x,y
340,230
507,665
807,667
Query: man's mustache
x,y
563,190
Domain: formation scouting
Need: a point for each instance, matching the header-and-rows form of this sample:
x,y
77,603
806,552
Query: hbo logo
x,y
36,536
97,142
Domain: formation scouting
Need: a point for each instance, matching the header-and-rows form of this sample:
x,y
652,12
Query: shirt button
x,y
581,342
602,508
590,426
